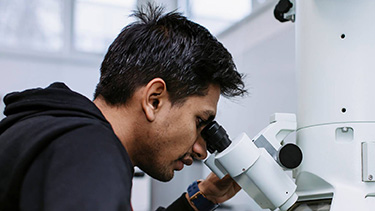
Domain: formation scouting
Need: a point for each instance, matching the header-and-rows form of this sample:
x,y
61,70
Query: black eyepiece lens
x,y
216,137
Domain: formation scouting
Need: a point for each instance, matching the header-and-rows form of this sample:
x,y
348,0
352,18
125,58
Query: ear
x,y
154,97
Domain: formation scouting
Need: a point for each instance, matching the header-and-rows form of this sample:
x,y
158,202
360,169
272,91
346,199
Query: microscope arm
x,y
288,156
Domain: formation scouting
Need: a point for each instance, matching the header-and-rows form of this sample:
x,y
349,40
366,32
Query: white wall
x,y
263,49
20,71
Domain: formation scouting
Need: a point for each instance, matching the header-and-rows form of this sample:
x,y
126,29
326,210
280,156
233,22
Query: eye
x,y
200,122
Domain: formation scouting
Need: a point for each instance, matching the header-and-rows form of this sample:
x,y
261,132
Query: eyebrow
x,y
210,114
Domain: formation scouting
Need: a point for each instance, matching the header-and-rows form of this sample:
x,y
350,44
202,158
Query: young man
x,y
160,84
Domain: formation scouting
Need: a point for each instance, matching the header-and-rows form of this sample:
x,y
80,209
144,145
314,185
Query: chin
x,y
161,176
164,178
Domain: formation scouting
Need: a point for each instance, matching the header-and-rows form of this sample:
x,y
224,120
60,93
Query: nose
x,y
199,149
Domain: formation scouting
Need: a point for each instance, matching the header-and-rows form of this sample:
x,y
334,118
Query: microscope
x,y
257,164
335,124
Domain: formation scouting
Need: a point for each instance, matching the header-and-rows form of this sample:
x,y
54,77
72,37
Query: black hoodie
x,y
58,152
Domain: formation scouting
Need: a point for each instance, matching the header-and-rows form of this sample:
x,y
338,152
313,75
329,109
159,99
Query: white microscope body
x,y
335,51
335,57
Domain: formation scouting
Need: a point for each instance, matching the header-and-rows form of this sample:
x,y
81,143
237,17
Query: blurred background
x,y
43,41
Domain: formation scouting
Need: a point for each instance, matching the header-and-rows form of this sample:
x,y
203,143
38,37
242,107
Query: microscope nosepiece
x,y
216,137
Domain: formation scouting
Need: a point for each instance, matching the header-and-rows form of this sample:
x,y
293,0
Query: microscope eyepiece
x,y
216,137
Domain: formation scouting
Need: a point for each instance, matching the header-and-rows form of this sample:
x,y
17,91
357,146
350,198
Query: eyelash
x,y
200,122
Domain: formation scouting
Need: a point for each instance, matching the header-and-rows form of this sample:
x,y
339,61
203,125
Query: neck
x,y
122,121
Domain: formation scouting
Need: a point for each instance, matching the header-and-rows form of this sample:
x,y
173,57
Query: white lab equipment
x,y
335,48
257,164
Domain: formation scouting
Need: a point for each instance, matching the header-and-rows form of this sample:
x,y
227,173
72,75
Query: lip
x,y
184,161
179,165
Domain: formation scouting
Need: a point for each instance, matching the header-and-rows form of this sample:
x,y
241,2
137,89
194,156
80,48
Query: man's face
x,y
174,138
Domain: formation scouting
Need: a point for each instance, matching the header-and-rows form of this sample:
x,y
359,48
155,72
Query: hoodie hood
x,y
32,122
34,119
57,99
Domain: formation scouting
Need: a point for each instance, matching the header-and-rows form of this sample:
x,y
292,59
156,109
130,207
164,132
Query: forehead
x,y
206,104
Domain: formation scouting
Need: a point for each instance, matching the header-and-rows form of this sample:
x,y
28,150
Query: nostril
x,y
198,156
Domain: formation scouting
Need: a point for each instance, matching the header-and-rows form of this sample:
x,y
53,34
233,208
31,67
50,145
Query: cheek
x,y
189,136
180,125
180,132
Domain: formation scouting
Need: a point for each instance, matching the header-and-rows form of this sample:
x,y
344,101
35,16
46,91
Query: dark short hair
x,y
168,46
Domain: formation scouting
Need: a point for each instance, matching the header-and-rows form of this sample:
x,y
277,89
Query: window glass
x,y
98,22
33,24
218,15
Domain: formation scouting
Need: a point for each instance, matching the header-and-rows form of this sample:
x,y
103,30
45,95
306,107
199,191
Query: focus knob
x,y
290,156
